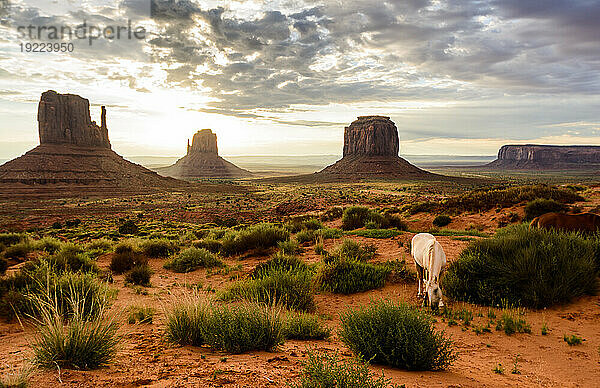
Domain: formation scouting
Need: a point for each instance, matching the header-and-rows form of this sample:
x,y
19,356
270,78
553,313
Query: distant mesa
x,y
547,157
75,150
203,161
371,146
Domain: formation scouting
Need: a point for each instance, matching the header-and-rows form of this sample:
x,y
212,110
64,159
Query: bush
x,y
193,258
125,260
18,251
8,239
279,262
376,233
540,206
441,221
261,236
328,233
72,258
351,250
299,223
348,276
305,326
130,245
233,328
289,247
47,244
396,335
292,289
140,275
158,248
210,244
534,268
322,370
128,227
76,342
355,217
305,236
331,214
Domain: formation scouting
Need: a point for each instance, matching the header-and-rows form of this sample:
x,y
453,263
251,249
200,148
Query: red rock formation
x,y
65,119
203,161
73,150
532,156
371,148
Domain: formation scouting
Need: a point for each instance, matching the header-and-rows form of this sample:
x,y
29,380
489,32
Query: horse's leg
x,y
419,279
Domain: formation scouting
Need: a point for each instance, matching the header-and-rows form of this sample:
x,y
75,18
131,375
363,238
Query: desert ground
x,y
146,358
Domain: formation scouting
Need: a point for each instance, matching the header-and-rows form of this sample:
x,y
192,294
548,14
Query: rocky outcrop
x,y
371,136
74,150
548,157
65,119
371,147
203,161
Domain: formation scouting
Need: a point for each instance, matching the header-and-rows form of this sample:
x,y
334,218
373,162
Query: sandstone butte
x,y
203,161
547,157
74,150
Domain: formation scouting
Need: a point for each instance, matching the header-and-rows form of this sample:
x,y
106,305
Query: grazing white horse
x,y
430,260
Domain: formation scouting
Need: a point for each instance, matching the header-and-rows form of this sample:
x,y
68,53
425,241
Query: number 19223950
x,y
47,47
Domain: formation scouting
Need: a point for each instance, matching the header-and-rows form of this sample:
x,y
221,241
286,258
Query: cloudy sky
x,y
457,77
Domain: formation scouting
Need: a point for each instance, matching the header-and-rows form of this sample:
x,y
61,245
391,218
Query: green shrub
x,y
72,258
441,220
513,321
130,245
234,328
331,214
98,247
328,233
305,326
573,339
140,314
193,258
322,370
376,233
396,335
210,244
290,288
521,267
296,224
289,247
540,206
261,236
355,217
125,260
349,276
399,271
75,342
305,236
19,250
158,248
8,239
139,275
128,227
279,262
351,250
47,244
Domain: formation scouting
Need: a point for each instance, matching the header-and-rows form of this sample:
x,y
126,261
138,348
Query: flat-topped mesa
x,y
371,136
547,157
65,119
204,141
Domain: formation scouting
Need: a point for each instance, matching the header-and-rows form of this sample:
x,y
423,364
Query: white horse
x,y
430,259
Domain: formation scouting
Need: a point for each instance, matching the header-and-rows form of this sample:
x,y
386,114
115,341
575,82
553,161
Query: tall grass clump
x,y
158,248
289,247
279,262
261,236
16,378
540,206
235,328
47,244
397,335
355,217
351,250
193,258
342,276
8,239
123,261
522,267
73,258
322,370
76,342
19,250
290,288
303,326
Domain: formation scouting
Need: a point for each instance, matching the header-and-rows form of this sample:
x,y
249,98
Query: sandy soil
x,y
145,359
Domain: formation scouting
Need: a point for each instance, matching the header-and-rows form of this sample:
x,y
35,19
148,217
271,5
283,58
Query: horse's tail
x,y
535,223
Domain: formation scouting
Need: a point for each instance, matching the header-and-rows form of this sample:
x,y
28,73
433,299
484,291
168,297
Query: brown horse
x,y
585,222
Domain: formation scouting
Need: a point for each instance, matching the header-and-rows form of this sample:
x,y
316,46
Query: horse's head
x,y
434,295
